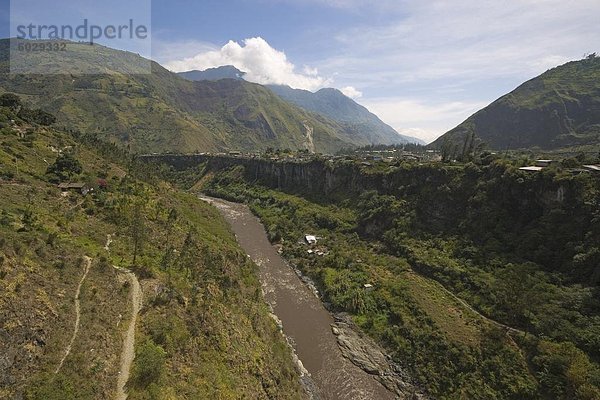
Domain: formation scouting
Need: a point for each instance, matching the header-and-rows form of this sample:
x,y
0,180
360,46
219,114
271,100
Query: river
x,y
305,321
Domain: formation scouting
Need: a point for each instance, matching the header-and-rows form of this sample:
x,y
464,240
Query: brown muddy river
x,y
306,322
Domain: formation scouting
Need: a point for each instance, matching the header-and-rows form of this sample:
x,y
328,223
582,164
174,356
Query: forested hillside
x,y
485,277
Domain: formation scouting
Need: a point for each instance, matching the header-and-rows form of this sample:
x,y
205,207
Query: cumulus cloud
x,y
351,92
262,63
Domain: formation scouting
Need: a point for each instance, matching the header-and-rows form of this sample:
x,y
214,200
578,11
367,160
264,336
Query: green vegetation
x,y
559,108
204,330
65,167
161,111
520,248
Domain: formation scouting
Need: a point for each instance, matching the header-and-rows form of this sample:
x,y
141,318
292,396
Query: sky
x,y
421,66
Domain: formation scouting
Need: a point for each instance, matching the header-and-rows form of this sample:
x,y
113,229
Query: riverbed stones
x,y
363,352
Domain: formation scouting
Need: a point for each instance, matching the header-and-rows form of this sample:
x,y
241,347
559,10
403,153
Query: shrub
x,y
65,167
10,100
37,117
566,372
149,364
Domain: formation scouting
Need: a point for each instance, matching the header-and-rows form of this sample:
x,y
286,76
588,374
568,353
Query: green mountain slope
x,y
202,306
359,123
354,117
559,108
163,112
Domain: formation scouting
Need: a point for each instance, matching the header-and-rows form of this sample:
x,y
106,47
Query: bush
x,y
149,364
5,219
37,117
65,167
566,372
10,100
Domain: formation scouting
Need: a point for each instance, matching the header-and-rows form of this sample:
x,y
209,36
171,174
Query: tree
x,y
519,291
37,116
149,364
565,372
137,228
28,218
11,101
5,219
65,167
378,213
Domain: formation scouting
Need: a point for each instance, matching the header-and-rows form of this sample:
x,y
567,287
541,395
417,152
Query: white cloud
x,y
262,63
421,119
166,51
310,71
351,92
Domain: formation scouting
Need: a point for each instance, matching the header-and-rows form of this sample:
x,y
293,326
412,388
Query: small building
x,y
77,186
543,163
310,239
532,169
593,168
411,157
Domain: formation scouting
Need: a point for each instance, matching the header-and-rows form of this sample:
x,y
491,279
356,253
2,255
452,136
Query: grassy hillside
x,y
204,329
559,108
161,111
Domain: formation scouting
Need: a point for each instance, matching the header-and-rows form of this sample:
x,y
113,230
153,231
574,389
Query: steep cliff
x,y
523,212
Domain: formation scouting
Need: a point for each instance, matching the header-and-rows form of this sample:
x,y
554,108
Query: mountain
x,y
359,122
213,74
335,105
161,111
559,108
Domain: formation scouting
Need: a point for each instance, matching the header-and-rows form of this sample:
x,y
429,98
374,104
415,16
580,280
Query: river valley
x,y
306,323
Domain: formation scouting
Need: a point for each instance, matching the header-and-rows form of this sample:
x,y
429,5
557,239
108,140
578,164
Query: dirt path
x,y
88,264
128,352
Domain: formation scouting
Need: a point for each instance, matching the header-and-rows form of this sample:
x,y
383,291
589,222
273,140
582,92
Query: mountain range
x,y
161,111
354,117
217,110
328,102
214,74
560,108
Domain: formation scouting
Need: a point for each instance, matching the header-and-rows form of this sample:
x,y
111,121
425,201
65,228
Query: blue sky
x,y
422,66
